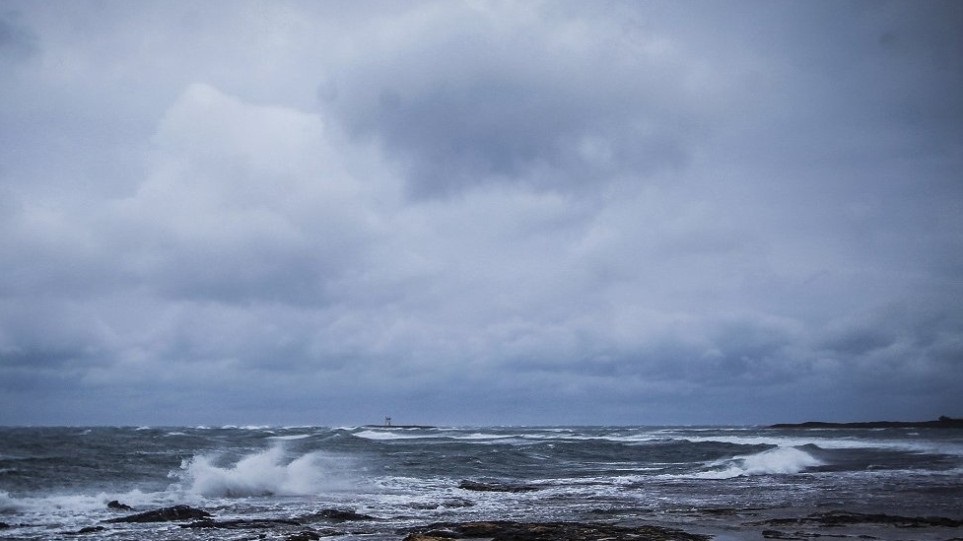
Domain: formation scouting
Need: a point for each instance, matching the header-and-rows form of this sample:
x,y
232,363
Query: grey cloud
x,y
17,41
546,102
556,212
242,203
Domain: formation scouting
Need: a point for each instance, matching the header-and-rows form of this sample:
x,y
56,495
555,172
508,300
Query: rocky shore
x,y
331,523
547,531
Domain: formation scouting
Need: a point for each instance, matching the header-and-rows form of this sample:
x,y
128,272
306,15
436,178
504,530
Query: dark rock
x,y
457,503
845,518
776,534
4,525
241,523
547,531
495,487
833,518
425,537
167,514
343,515
88,529
117,506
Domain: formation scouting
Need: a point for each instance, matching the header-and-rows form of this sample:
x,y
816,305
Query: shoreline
x,y
942,422
722,524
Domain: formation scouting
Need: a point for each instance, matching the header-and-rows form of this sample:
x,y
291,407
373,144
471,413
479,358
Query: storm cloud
x,y
480,212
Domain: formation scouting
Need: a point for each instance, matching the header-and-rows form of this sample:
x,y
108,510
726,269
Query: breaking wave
x,y
781,460
8,505
265,473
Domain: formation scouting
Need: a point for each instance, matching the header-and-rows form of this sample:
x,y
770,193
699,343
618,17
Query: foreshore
x,y
721,524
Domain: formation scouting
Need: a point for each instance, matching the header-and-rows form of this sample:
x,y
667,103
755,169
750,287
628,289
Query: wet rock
x,y
167,514
241,523
457,503
4,525
776,534
86,530
117,506
547,531
343,515
425,537
495,487
844,518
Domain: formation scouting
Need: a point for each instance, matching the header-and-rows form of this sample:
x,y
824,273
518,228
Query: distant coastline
x,y
942,422
401,427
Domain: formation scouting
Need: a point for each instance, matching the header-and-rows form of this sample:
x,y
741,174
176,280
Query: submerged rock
x,y
343,515
167,514
86,530
495,487
547,531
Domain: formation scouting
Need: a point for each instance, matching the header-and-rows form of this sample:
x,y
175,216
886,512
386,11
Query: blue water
x,y
54,481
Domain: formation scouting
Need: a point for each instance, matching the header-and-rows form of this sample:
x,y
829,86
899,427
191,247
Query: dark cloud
x,y
480,213
462,99
17,41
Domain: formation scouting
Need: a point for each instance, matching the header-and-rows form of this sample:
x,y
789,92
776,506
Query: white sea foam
x,y
784,460
8,504
264,473
67,505
385,435
927,446
289,438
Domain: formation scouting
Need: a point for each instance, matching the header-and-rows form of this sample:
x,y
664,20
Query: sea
x,y
56,483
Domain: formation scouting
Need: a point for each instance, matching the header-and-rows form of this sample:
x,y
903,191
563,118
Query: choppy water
x,y
54,481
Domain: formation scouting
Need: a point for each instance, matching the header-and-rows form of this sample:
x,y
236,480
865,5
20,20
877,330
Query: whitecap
x,y
381,435
8,504
265,473
781,460
292,437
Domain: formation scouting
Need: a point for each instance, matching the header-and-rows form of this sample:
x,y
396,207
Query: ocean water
x,y
56,481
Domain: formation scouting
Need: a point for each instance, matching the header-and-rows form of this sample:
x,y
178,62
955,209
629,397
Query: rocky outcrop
x,y
87,530
241,524
117,506
547,531
167,514
342,515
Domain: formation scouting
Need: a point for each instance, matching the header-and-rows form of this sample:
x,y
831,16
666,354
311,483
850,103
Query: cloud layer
x,y
489,212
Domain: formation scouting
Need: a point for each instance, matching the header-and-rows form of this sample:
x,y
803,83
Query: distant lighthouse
x,y
387,421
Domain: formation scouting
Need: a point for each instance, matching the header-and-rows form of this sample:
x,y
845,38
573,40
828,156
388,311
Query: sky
x,y
480,213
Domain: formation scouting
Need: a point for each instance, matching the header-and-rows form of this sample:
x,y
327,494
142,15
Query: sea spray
x,y
8,505
780,460
265,473
56,481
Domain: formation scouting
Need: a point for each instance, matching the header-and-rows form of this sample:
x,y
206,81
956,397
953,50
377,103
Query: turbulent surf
x,y
56,482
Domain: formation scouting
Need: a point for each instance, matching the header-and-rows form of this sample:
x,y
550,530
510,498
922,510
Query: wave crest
x,y
266,473
781,460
